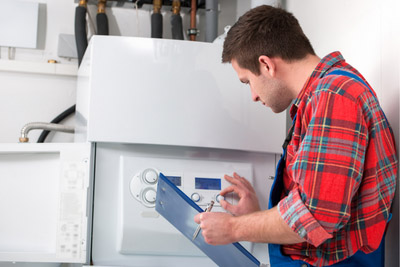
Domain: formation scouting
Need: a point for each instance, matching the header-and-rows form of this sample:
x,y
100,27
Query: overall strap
x,y
350,75
358,78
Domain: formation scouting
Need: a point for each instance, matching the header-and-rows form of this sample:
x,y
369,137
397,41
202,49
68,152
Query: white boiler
x,y
153,105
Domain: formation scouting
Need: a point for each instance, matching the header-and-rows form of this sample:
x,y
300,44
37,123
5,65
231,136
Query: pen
x,y
208,209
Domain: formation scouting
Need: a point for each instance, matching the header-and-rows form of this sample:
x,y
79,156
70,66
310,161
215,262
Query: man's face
x,y
269,91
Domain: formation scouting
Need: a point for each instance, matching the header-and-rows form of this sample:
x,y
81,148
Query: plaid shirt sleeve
x,y
326,163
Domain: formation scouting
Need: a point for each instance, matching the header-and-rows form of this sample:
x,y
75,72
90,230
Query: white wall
x,y
27,97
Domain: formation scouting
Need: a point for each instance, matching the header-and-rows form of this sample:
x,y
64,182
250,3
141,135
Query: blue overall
x,y
374,259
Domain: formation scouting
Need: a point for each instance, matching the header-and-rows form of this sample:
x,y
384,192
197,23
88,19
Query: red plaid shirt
x,y
341,168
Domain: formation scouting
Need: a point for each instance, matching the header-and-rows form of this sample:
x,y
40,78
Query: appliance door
x,y
43,202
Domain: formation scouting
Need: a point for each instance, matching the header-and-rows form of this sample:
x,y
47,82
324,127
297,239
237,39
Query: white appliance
x,y
44,189
144,106
150,106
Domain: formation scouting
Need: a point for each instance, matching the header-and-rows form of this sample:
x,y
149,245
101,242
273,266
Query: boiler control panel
x,y
142,230
201,187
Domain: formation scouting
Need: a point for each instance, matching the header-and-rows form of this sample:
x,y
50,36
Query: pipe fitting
x,y
176,7
43,126
101,6
193,32
157,6
83,3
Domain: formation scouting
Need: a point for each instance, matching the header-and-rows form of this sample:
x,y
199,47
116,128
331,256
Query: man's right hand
x,y
248,201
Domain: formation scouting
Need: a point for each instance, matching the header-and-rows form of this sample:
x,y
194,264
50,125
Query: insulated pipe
x,y
57,119
211,20
101,18
44,126
192,32
176,20
81,45
156,20
80,29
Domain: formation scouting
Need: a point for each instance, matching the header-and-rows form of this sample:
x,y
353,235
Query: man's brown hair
x,y
265,30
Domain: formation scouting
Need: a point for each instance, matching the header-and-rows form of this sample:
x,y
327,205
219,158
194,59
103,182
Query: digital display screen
x,y
207,183
176,180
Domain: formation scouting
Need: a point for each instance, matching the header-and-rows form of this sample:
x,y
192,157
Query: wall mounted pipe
x,y
176,20
43,126
80,29
81,45
211,20
58,119
192,32
101,18
156,20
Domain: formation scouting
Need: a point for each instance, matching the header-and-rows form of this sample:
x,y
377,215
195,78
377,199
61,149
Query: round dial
x,y
195,197
150,176
218,198
149,195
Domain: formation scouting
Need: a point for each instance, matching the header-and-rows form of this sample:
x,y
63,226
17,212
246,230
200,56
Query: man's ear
x,y
267,65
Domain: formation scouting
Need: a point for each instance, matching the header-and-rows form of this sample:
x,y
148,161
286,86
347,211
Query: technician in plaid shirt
x,y
330,203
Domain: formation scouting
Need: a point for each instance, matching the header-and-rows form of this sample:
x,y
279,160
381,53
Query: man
x,y
331,198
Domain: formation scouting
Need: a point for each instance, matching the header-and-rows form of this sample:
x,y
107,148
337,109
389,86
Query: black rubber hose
x,y
176,27
80,32
81,45
58,119
156,25
102,24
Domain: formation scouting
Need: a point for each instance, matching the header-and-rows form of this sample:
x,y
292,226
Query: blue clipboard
x,y
179,210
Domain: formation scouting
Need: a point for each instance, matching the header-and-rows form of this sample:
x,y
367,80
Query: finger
x,y
237,176
240,191
242,180
235,179
206,239
229,179
227,206
197,218
227,190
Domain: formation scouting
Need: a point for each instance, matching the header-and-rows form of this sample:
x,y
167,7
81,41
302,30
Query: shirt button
x,y
304,265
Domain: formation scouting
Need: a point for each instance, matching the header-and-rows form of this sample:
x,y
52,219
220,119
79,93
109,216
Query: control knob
x,y
149,195
218,198
150,176
195,197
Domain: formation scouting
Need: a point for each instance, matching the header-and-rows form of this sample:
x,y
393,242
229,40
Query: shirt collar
x,y
323,66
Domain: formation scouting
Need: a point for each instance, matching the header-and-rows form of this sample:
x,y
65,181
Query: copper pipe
x,y
193,20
